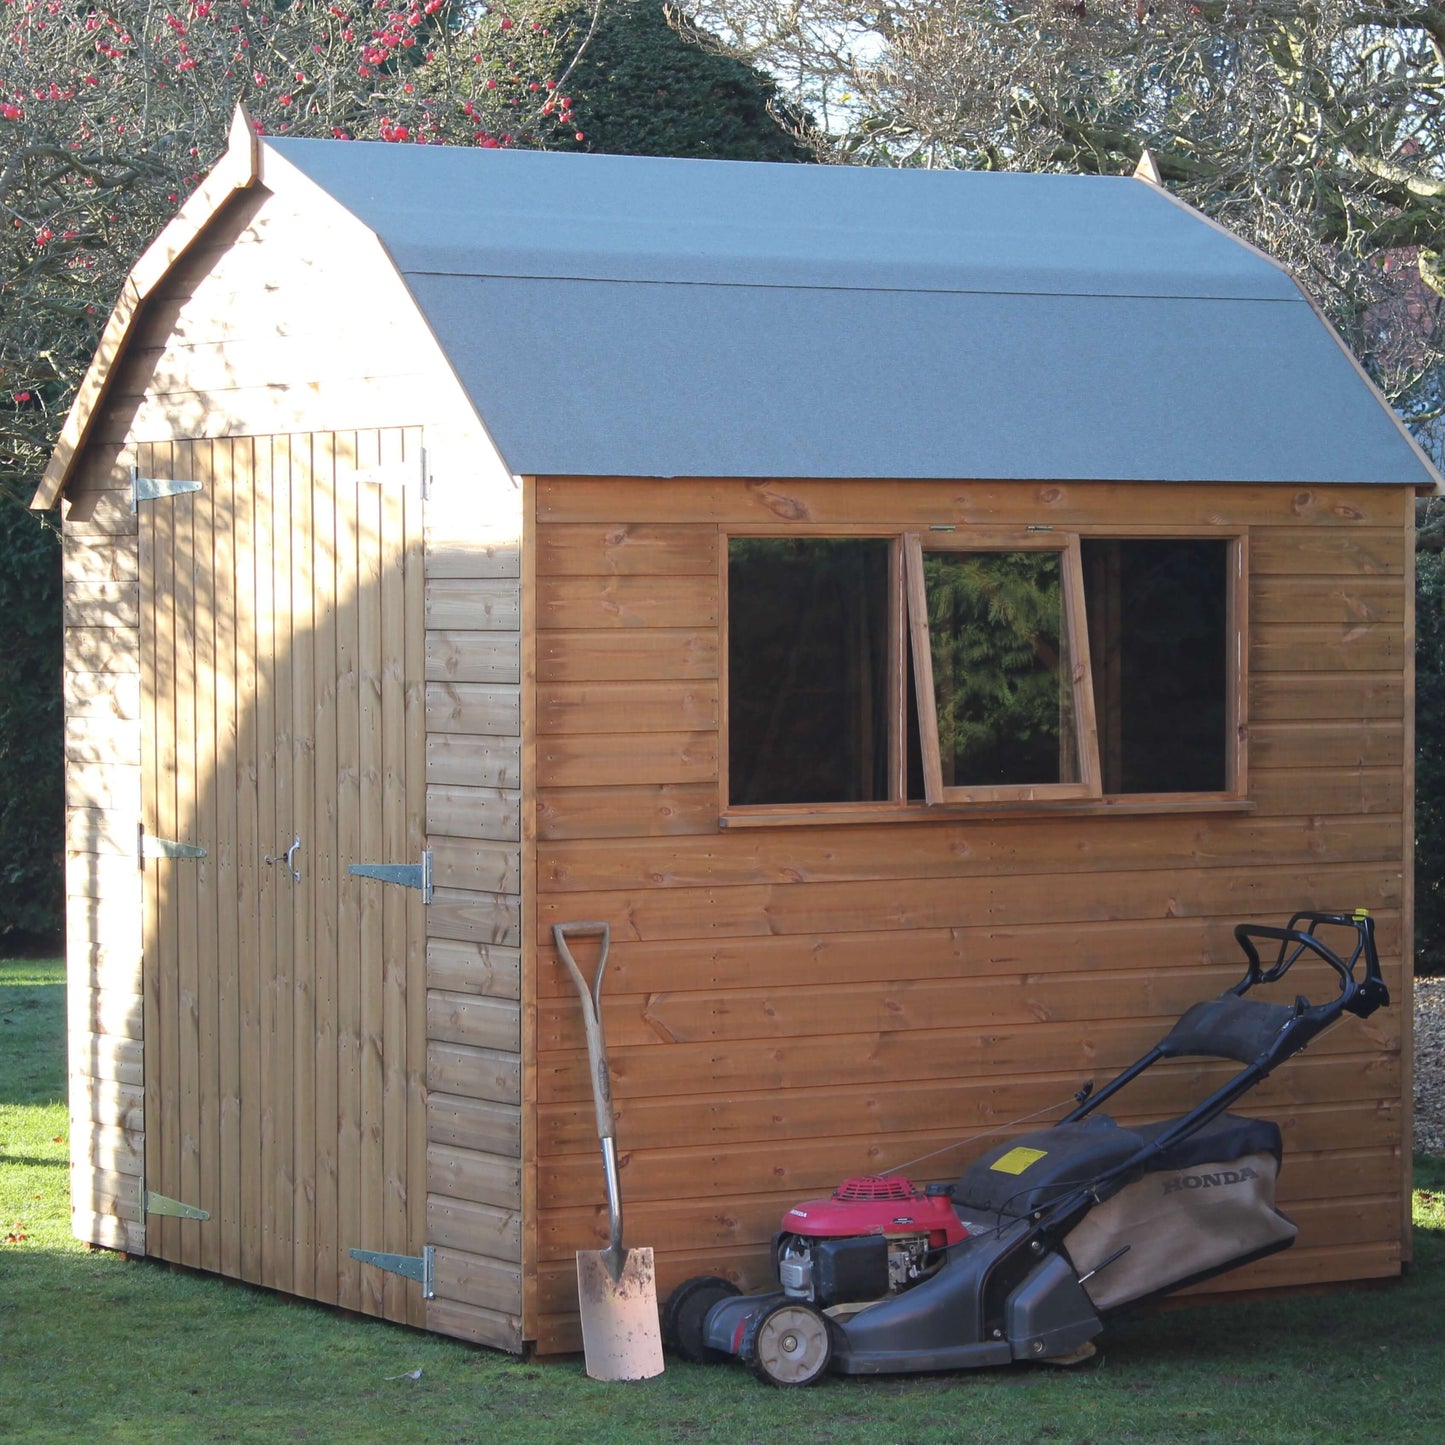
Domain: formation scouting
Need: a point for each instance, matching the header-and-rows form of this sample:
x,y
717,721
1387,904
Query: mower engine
x,y
881,1276
871,1238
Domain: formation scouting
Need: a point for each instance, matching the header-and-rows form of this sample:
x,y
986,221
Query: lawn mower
x,y
1046,1234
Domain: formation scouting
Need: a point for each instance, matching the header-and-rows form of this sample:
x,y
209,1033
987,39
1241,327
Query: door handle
x,y
287,859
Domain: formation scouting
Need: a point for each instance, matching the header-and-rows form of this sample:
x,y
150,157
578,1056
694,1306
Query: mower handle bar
x,y
1302,1023
1360,996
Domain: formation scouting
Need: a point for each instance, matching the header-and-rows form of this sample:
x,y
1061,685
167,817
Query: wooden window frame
x,y
908,639
732,814
1080,679
1235,794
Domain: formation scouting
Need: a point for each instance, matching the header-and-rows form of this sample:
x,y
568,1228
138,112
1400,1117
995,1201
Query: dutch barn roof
x,y
633,316
743,319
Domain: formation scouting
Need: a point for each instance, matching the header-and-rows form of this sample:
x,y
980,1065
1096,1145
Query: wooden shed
x,y
920,612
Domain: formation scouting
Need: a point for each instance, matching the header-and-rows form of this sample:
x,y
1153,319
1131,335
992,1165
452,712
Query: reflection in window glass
x,y
1001,682
808,692
1158,646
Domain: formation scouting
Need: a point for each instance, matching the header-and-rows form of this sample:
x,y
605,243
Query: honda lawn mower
x,y
1023,1256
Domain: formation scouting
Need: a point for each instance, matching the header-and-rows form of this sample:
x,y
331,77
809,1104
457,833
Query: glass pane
x,y
1000,670
1158,629
807,670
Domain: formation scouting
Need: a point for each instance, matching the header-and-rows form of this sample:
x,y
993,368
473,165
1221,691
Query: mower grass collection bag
x,y
1204,1205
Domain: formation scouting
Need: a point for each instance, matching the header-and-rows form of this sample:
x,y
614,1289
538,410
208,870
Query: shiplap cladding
x,y
474,809
102,875
790,1005
300,1028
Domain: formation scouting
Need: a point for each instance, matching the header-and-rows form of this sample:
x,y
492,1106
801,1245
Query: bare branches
x,y
1315,128
110,113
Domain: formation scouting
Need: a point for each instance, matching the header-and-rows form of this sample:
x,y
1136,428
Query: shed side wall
x,y
286,317
102,876
790,1005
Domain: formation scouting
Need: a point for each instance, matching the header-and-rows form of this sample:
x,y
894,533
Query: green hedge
x,y
642,89
1430,754
32,821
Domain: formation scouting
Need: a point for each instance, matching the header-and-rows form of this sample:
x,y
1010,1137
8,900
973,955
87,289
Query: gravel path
x,y
1430,1065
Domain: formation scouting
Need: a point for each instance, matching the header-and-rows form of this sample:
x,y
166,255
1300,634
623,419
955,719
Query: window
x,y
1159,643
1003,705
808,657
996,666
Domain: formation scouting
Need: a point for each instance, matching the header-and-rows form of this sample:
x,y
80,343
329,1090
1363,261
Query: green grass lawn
x,y
95,1347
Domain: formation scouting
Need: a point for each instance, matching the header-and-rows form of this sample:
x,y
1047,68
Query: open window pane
x,y
1002,686
1159,632
808,670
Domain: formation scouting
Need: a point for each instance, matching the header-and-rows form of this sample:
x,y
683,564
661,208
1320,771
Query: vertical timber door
x,y
284,735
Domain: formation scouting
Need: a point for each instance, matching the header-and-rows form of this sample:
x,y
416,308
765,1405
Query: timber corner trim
x,y
238,169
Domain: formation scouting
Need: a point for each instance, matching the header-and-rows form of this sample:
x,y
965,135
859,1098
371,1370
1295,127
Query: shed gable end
x,y
274,322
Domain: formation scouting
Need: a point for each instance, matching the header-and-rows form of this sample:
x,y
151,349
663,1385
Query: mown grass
x,y
98,1348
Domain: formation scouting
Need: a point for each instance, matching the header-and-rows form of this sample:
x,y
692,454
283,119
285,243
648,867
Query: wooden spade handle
x,y
591,1014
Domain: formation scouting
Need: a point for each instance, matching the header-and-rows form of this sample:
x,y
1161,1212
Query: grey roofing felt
x,y
642,317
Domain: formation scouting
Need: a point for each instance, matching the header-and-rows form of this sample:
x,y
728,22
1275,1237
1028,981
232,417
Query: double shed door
x,y
284,734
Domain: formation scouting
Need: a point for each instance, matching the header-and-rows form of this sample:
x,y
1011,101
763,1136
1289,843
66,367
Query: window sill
x,y
848,814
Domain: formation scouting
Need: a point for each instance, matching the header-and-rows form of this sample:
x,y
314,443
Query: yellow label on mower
x,y
1017,1160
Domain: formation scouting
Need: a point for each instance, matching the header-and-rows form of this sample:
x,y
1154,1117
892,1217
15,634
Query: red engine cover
x,y
866,1205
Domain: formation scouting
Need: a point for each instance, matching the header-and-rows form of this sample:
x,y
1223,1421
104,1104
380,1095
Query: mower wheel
x,y
789,1343
685,1316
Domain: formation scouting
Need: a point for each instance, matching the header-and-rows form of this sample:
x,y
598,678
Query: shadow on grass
x,y
24,1161
114,1349
117,1349
32,1015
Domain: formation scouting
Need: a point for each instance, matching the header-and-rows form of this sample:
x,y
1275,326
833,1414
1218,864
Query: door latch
x,y
288,858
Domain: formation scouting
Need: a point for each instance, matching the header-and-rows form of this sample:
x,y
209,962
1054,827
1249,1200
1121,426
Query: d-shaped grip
x,y
591,1013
